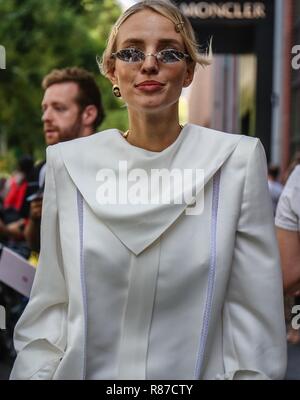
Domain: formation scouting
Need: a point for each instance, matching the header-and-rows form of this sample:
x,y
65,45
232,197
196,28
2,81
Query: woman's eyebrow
x,y
170,42
132,41
135,41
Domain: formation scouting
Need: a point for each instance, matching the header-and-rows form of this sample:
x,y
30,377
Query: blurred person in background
x,y
275,187
288,234
14,215
292,165
15,208
71,108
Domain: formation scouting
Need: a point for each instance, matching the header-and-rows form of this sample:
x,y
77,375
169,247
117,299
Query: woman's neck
x,y
153,133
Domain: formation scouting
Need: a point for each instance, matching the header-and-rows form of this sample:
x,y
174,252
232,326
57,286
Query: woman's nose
x,y
150,64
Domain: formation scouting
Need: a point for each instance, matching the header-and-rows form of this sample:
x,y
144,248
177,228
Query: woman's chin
x,y
150,106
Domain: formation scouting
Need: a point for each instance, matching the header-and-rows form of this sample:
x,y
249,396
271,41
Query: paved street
x,y
293,370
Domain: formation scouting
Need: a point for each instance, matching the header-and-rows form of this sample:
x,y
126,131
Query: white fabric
x,y
288,209
145,270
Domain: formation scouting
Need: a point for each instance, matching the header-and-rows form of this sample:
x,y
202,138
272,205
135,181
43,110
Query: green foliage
x,y
8,163
116,115
39,36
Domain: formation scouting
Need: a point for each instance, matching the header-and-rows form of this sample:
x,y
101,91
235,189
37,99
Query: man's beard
x,y
72,132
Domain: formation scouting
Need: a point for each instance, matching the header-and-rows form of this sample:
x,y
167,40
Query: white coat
x,y
148,291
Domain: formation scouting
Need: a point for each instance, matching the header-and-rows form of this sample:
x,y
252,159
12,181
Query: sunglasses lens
x,y
170,56
130,55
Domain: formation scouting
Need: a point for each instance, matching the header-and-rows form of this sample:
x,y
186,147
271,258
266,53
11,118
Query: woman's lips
x,y
149,86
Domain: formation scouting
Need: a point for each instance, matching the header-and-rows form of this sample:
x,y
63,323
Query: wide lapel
x,y
137,226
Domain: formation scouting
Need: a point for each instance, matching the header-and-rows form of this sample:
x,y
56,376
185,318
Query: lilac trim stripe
x,y
211,274
82,276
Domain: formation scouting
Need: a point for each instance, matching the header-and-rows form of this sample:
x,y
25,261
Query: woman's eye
x,y
131,54
135,51
127,54
170,55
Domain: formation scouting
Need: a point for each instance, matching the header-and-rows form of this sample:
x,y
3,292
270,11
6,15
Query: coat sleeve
x,y
40,334
254,339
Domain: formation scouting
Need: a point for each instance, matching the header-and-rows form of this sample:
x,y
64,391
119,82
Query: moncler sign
x,y
224,10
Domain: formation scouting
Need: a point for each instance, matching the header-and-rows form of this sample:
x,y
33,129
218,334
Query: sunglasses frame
x,y
183,55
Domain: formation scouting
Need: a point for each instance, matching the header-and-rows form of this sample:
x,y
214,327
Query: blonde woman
x,y
138,280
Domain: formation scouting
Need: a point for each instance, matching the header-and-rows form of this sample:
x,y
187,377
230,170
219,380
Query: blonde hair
x,y
168,10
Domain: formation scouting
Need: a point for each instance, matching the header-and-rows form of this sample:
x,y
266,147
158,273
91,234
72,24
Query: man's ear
x,y
89,115
189,74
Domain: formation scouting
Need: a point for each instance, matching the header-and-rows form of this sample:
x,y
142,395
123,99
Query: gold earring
x,y
116,91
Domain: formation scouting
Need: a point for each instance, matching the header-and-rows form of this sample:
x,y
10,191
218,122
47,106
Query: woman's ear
x,y
111,74
189,74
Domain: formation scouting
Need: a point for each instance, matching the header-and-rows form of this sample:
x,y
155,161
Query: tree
x,y
39,36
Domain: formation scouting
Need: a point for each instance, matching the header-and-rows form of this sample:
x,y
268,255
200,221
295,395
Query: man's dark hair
x,y
26,164
89,93
273,171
